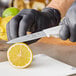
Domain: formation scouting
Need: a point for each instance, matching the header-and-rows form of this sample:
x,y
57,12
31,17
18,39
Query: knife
x,y
53,31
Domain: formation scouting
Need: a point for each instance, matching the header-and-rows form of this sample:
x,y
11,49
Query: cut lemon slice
x,y
19,55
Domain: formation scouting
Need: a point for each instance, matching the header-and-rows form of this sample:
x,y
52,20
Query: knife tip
x,y
9,42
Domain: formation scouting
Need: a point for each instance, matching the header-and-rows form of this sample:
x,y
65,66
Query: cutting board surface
x,y
42,65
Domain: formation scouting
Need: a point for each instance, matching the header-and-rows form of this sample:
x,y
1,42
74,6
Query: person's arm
x,y
61,5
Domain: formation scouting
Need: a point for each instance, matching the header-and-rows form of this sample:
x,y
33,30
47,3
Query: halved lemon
x,y
19,55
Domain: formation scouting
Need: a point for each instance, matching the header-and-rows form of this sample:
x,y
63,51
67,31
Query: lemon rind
x,y
20,67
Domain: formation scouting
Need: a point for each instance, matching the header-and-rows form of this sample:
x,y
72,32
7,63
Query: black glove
x,y
33,21
68,30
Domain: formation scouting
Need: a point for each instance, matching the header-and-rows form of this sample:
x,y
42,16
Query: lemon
x,y
3,23
0,19
12,11
19,55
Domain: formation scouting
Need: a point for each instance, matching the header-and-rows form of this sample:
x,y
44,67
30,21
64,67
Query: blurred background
x,y
21,4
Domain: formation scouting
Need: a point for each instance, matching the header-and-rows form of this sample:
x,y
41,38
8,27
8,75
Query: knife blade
x,y
53,31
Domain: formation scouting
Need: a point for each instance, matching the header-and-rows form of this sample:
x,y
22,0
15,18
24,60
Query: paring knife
x,y
53,31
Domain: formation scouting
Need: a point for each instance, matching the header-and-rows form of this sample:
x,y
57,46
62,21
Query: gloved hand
x,y
33,21
68,30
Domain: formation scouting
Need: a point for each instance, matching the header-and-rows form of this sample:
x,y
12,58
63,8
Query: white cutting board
x,y
42,65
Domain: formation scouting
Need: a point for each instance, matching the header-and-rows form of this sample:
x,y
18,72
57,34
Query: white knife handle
x,y
54,31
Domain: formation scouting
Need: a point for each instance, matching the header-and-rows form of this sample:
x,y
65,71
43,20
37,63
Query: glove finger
x,y
64,32
25,24
73,33
14,26
8,31
32,41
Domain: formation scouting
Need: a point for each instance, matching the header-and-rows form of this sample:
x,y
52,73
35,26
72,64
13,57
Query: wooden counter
x,y
65,53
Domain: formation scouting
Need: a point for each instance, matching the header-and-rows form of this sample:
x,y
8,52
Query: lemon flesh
x,y
19,55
